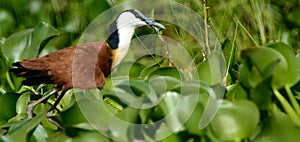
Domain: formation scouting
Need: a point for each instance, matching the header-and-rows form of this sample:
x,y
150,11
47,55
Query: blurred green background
x,y
260,45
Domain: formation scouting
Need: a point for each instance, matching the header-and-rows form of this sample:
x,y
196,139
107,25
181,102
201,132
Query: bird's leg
x,y
32,105
57,100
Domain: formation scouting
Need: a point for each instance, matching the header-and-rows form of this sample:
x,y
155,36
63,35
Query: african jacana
x,y
56,68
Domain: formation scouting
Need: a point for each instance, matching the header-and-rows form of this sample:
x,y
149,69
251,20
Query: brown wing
x,y
87,72
75,66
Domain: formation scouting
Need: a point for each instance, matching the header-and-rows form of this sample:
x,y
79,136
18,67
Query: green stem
x,y
256,44
206,27
11,85
293,99
287,107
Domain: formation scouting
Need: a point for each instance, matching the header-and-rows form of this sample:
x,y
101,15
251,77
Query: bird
x,y
84,66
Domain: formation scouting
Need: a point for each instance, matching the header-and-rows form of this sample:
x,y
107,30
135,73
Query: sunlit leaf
x,y
21,104
229,123
40,134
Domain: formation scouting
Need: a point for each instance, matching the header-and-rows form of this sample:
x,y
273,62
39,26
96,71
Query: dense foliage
x,y
257,75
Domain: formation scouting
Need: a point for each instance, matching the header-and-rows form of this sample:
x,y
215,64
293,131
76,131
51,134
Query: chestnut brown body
x,y
83,66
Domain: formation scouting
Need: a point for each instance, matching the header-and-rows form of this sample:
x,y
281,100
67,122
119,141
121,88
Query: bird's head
x,y
132,19
122,30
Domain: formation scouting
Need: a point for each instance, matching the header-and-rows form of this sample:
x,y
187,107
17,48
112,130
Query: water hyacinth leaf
x,y
234,114
118,128
128,68
98,117
40,134
278,127
213,69
136,92
27,43
169,106
22,102
8,103
91,136
67,116
292,17
166,71
164,130
261,59
235,91
7,21
162,84
192,123
262,94
21,130
249,76
293,64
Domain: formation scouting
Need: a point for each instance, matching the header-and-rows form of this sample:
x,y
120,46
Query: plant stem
x,y
287,107
256,44
206,26
293,100
10,83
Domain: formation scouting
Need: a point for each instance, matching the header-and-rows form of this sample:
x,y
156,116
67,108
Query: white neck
x,y
125,35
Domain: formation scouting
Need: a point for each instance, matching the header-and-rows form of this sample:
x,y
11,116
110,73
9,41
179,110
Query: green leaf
x,y
229,124
91,136
129,68
40,134
8,105
163,131
293,64
137,93
21,104
27,44
67,116
278,127
263,60
7,21
262,94
235,92
21,130
87,118
166,71
119,128
293,17
249,76
162,84
192,122
213,69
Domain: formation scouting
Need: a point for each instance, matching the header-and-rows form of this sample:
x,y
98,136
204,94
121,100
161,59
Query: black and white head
x,y
133,19
122,30
126,23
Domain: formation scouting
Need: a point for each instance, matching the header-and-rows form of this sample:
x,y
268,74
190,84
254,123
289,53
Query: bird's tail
x,y
32,70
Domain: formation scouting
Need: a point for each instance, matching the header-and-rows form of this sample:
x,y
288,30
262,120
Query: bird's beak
x,y
153,23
